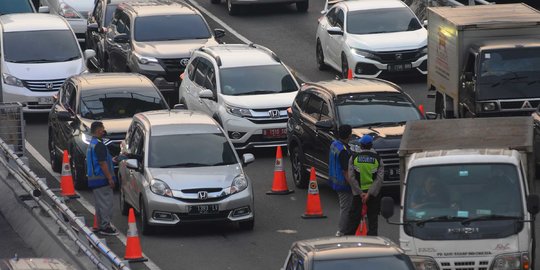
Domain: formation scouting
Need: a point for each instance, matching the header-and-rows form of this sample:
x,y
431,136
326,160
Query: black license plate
x,y
204,209
399,67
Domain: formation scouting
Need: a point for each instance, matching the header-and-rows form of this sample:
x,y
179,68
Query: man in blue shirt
x,y
338,164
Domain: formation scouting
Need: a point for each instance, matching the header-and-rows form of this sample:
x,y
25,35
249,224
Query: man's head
x,y
97,129
344,133
366,142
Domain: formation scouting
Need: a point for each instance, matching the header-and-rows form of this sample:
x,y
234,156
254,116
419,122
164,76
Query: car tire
x,y
344,66
56,160
247,225
302,6
146,228
79,174
215,1
232,8
124,206
320,57
300,175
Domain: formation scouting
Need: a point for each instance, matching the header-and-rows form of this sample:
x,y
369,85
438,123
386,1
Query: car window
x,y
331,16
301,100
98,11
253,80
340,18
123,25
109,12
313,107
69,97
325,111
385,20
41,46
200,72
210,80
171,27
137,142
17,6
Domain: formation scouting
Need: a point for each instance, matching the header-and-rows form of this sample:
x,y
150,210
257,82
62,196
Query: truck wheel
x,y
300,175
320,57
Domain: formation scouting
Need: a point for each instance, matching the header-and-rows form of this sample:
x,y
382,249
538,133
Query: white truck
x,y
484,60
466,200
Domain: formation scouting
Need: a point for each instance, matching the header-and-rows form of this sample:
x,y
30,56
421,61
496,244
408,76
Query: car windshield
x,y
364,110
109,12
396,262
171,27
15,6
190,150
459,192
40,46
116,104
385,20
509,73
254,80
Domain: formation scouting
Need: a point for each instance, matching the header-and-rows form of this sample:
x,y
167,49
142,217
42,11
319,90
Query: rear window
x,y
171,27
15,6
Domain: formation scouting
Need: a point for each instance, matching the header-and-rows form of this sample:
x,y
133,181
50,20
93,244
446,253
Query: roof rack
x,y
211,53
270,52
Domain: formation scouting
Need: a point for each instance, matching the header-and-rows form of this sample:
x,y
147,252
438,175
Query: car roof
x,y
157,7
32,22
329,248
169,122
372,4
93,81
241,55
356,86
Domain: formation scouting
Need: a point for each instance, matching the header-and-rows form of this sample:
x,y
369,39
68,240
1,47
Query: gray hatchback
x,y
182,168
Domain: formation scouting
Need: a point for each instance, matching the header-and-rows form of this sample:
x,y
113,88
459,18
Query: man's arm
x,y
101,154
355,186
377,183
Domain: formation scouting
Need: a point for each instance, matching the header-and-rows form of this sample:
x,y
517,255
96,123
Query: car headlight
x,y
145,60
12,80
424,263
160,188
363,53
489,106
239,183
86,138
68,12
238,111
511,261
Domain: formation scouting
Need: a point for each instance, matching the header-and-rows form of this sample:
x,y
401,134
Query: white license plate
x,y
45,100
399,67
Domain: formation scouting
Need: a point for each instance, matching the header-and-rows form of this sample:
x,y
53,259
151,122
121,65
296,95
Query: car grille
x,y
212,191
517,105
173,65
263,116
465,265
397,56
37,106
43,85
390,159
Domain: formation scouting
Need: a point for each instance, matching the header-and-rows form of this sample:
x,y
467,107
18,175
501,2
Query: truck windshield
x,y
464,192
509,73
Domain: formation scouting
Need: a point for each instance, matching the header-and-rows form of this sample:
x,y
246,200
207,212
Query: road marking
x,y
86,204
287,231
235,33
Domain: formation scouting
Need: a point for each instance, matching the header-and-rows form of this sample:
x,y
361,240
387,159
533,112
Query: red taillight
x,y
421,109
289,112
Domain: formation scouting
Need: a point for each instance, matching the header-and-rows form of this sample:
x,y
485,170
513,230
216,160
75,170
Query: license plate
x,y
45,100
393,172
399,67
204,209
275,133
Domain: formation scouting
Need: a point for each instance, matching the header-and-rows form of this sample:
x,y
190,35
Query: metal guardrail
x,y
68,222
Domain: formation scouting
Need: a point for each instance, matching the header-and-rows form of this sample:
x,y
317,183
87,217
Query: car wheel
x,y
124,206
300,175
344,66
232,8
56,160
247,225
146,228
215,1
79,175
320,57
302,6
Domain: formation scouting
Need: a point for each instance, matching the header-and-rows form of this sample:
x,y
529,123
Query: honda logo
x,y
526,105
274,113
203,195
183,62
399,56
49,86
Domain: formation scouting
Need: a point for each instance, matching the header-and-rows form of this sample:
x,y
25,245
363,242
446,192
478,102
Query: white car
x,y
38,52
371,37
246,88
74,11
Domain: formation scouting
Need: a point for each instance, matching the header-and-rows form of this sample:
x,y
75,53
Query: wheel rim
x,y
319,54
297,166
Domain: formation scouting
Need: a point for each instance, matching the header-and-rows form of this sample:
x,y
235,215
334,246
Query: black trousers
x,y
355,215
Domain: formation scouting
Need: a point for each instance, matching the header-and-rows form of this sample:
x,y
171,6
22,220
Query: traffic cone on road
x,y
362,228
313,206
279,186
133,243
95,227
66,180
349,74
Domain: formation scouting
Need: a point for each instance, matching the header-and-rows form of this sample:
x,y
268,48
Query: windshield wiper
x,y
488,217
376,32
437,218
32,61
222,164
256,92
185,164
69,59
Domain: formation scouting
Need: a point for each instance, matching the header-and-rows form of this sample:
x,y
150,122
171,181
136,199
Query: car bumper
x,y
79,28
32,101
368,68
251,134
177,209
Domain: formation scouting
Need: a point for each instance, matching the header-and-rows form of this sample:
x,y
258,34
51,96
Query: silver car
x,y
181,168
74,11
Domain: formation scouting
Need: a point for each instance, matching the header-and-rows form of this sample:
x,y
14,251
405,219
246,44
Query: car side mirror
x,y
206,93
431,115
89,53
132,164
180,106
335,31
92,27
324,124
44,9
533,204
425,23
64,116
121,38
219,33
387,207
248,158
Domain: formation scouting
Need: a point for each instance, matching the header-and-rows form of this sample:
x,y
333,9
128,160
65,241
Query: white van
x,y
38,52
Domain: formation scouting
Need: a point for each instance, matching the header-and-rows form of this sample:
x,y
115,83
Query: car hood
x,y
380,132
111,125
171,49
44,71
81,6
408,40
264,101
199,177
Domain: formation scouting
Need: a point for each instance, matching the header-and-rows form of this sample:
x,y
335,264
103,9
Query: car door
x,y
67,128
117,52
335,42
324,137
92,36
324,24
310,116
210,105
188,91
135,178
200,83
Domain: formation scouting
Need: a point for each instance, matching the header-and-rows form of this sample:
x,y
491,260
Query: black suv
x,y
156,39
112,98
371,106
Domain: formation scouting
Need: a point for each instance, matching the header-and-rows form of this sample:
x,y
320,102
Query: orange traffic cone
x,y
66,180
349,74
133,243
313,206
362,228
279,187
95,227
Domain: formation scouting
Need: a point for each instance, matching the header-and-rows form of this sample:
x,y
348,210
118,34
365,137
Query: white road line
x,y
234,32
45,164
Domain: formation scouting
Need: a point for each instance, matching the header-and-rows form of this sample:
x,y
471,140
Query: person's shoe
x,y
339,234
108,231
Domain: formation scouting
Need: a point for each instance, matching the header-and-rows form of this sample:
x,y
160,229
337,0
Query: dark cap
x,y
95,125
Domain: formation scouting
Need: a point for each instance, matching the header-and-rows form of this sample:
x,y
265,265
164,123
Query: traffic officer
x,y
100,172
338,172
366,174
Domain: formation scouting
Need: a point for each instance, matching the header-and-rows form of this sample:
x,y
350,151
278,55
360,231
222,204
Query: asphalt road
x,y
221,246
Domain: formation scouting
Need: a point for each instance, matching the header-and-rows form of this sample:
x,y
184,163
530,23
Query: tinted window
x,y
191,68
123,24
331,16
190,150
40,46
340,17
171,27
313,107
15,6
397,262
200,73
301,100
385,20
325,111
111,104
253,80
375,110
109,12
